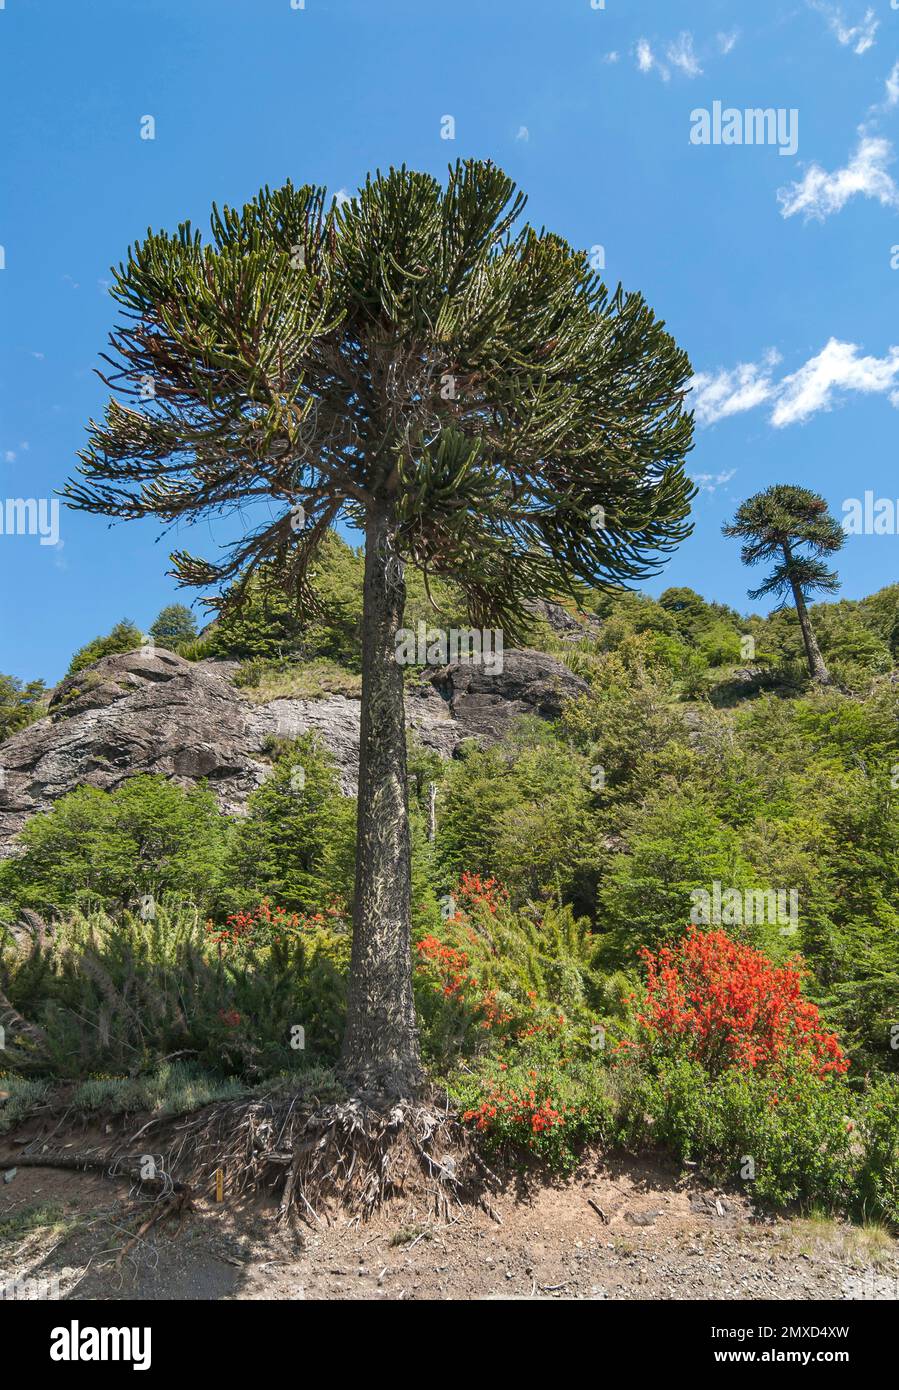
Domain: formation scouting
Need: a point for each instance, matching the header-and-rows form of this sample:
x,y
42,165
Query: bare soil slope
x,y
618,1229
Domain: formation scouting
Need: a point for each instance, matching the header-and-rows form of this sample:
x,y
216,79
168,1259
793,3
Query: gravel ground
x,y
623,1229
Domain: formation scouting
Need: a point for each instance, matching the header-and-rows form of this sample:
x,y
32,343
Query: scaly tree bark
x,y
380,1046
474,399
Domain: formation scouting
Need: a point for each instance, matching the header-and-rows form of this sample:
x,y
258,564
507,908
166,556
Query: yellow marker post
x,y
219,1185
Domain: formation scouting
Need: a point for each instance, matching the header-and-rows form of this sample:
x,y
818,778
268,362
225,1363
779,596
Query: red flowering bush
x,y
475,891
722,1004
266,926
537,1099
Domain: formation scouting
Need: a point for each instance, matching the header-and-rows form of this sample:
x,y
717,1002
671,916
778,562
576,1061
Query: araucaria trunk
x,y
817,669
381,1047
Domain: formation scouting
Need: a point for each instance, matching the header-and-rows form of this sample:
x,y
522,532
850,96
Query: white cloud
x,y
728,42
722,393
892,86
838,367
612,57
817,385
859,37
523,133
819,194
708,482
646,59
679,54
9,456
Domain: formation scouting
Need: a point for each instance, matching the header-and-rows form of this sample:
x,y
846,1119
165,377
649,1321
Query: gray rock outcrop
x,y
187,721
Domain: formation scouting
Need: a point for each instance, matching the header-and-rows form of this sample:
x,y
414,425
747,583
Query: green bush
x,y
117,849
20,704
119,994
878,1126
124,637
296,844
174,626
787,1143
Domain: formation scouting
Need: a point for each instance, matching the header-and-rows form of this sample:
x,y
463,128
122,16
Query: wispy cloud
x,y
819,194
681,55
716,395
838,369
646,59
892,87
678,53
859,36
728,42
710,482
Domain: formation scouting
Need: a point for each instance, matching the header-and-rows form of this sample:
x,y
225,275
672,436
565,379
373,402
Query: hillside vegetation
x,y
564,993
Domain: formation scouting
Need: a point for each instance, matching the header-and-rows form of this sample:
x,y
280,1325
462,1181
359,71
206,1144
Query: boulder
x,y
484,703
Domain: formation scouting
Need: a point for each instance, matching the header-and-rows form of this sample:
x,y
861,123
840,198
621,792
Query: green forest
x,y
563,992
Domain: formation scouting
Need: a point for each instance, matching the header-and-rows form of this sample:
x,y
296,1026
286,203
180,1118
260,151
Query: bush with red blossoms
x,y
722,1004
265,926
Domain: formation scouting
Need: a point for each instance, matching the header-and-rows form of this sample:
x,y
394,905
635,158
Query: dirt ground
x,y
618,1229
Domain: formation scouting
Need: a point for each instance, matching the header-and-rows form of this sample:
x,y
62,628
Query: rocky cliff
x,y
187,721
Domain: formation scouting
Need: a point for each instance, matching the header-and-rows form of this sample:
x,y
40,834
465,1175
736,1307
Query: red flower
x,y
725,1004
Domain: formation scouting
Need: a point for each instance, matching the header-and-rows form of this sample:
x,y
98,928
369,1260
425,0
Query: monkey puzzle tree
x,y
776,523
472,398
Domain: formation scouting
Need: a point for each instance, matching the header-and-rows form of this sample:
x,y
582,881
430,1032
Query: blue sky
x,y
773,271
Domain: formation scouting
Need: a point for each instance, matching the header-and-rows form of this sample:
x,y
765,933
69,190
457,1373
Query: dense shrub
x,y
787,1143
724,1005
115,849
877,1184
118,995
491,972
296,843
20,704
124,637
522,811
174,625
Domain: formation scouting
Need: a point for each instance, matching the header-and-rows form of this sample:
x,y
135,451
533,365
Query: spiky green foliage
x,y
792,526
312,354
122,994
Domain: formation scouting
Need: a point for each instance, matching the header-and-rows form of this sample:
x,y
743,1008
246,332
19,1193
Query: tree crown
x,y
792,525
526,427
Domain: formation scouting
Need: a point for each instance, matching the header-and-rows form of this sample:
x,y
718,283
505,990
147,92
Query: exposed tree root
x,y
356,1155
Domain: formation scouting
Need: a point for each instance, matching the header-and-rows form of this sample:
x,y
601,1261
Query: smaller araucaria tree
x,y
792,525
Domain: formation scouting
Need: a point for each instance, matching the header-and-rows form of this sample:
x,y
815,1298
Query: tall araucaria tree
x,y
792,525
471,397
